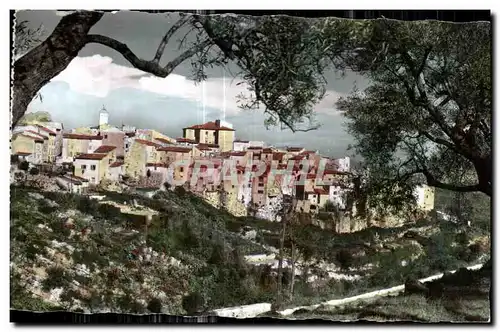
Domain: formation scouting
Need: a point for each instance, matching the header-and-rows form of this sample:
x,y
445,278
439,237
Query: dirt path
x,y
253,310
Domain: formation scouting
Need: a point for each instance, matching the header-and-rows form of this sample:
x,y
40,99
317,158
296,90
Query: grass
x,y
206,240
415,308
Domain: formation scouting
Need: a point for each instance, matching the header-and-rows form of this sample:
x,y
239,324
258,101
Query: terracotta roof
x,y
37,134
74,181
148,143
91,156
37,140
75,178
278,155
185,140
175,149
47,130
105,149
255,148
82,136
156,165
267,150
237,153
294,149
117,164
297,157
163,140
22,153
311,176
210,126
332,171
209,145
320,191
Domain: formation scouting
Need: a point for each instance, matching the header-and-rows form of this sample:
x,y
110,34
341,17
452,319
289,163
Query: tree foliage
x,y
24,165
428,108
282,61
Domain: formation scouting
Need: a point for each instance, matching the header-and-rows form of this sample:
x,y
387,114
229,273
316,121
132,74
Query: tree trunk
x,y
37,67
280,265
292,282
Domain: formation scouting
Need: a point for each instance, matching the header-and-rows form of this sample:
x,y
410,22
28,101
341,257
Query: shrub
x,y
193,303
56,277
217,256
155,305
46,208
24,165
344,258
329,206
34,171
108,211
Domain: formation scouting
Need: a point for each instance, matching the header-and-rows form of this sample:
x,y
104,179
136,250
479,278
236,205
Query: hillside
x,y
77,253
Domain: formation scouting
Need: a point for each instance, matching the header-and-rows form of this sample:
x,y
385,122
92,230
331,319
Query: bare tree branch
x,y
168,35
151,67
433,182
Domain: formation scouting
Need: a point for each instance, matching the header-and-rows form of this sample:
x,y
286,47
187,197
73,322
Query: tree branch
x,y
168,35
440,141
433,182
151,67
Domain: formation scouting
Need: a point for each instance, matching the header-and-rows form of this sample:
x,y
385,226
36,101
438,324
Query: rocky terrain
x,y
76,253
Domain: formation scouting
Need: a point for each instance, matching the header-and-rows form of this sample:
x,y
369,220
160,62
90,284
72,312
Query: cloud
x,y
97,75
62,13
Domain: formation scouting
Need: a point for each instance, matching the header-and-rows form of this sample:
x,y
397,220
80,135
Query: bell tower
x,y
103,117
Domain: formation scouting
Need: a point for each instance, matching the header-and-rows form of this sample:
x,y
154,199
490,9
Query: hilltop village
x,y
244,177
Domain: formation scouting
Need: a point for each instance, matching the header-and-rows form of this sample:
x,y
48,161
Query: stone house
x,y
28,146
114,137
215,132
75,144
140,153
92,166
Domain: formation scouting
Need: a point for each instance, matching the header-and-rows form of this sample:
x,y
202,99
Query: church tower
x,y
103,118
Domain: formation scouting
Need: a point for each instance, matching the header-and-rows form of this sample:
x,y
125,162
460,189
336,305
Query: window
x,y
105,136
84,166
260,191
182,169
92,179
92,167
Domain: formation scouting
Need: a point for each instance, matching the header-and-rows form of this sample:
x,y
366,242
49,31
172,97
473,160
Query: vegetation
x,y
24,166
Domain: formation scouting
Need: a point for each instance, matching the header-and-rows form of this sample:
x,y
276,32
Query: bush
x,y
56,277
193,303
108,211
344,258
329,206
86,205
24,165
217,256
155,305
34,171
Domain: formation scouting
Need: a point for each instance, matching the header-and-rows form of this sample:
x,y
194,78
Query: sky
x,y
100,76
